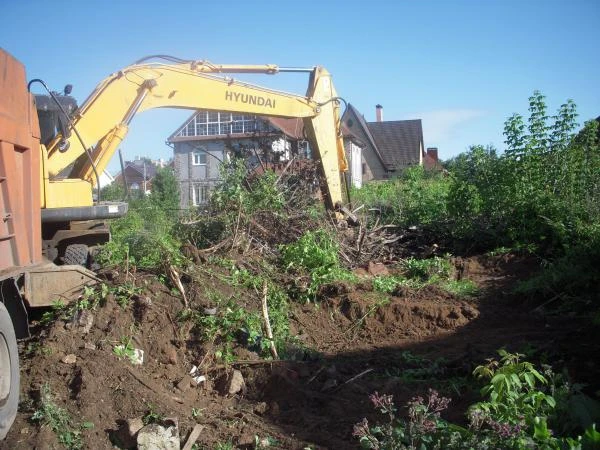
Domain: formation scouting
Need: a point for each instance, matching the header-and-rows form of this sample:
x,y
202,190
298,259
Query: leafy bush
x,y
520,403
417,197
315,253
426,269
145,237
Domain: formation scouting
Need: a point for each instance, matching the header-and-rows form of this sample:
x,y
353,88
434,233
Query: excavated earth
x,y
353,344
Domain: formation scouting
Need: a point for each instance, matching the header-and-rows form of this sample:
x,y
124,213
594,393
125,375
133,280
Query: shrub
x,y
315,254
519,404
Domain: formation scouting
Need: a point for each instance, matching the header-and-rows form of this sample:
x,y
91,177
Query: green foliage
x,y
426,269
59,420
315,254
152,415
165,190
418,197
520,404
388,284
236,192
125,349
113,192
513,391
144,238
461,288
90,298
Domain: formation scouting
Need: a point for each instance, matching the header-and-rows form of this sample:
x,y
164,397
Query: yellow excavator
x,y
52,152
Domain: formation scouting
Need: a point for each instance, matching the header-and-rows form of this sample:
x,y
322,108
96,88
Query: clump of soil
x,y
349,345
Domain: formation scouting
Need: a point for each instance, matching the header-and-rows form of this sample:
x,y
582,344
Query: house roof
x,y
292,128
398,141
139,168
363,124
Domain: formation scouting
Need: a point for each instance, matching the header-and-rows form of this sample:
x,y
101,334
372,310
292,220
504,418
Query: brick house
x,y
139,174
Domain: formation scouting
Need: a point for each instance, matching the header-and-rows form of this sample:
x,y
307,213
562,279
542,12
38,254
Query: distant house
x,y
388,146
208,138
139,174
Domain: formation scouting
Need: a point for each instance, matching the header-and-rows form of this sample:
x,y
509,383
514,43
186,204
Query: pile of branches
x,y
370,240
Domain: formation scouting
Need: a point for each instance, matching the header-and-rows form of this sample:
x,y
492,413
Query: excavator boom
x,y
102,122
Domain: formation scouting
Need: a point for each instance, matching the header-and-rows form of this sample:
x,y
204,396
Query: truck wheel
x,y
76,254
9,372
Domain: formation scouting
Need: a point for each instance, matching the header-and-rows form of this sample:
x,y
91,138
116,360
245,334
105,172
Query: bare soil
x,y
353,344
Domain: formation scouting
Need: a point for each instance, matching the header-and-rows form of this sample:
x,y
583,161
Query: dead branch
x,y
174,276
265,312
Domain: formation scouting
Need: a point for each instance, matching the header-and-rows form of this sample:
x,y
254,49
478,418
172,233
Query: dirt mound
x,y
353,342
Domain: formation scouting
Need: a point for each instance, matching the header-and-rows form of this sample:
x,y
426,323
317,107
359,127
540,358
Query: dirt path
x,y
419,339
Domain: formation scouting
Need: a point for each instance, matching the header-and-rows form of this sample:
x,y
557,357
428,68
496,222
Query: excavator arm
x,y
102,122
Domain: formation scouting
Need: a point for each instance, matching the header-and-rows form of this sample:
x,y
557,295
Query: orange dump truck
x,y
26,277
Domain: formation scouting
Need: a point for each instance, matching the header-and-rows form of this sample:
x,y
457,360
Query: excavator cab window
x,y
52,120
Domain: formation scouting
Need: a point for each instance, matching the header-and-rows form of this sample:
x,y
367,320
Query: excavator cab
x,y
51,117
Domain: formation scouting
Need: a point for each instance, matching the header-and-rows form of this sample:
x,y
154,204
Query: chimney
x,y
379,113
433,153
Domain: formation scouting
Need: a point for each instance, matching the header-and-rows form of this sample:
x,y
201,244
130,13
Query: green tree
x,y
113,192
165,189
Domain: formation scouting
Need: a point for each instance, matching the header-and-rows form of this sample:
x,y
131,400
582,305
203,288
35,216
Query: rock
x,y
127,434
232,384
261,408
378,269
170,355
198,379
236,382
158,437
185,383
84,320
69,359
89,346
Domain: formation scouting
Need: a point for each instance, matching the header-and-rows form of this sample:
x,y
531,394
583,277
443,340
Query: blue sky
x,y
462,67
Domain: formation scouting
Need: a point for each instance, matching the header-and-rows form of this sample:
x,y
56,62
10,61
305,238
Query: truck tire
x,y
9,372
76,254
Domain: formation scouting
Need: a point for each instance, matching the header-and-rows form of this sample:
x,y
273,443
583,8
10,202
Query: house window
x,y
211,123
199,158
199,194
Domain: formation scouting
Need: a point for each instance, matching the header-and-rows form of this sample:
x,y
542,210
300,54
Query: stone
x,y
378,269
185,383
260,408
158,437
232,383
170,355
69,359
236,382
89,346
84,320
127,434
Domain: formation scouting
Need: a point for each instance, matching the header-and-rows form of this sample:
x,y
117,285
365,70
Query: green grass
x,y
59,420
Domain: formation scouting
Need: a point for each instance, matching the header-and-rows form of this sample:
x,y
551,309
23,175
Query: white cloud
x,y
444,125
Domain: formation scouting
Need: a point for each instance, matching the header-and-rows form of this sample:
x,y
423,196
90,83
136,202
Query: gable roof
x,y
398,141
363,125
139,168
292,128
